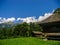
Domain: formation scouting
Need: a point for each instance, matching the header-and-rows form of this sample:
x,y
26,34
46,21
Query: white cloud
x,y
0,18
33,19
10,19
28,19
5,20
18,19
46,15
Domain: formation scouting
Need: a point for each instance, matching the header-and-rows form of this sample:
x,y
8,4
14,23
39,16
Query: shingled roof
x,y
53,18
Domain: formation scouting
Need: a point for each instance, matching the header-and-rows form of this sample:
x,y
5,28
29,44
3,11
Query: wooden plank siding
x,y
52,34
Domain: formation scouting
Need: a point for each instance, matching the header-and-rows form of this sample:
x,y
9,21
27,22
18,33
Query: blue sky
x,y
27,8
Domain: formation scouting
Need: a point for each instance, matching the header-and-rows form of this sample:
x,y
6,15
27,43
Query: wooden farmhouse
x,y
51,26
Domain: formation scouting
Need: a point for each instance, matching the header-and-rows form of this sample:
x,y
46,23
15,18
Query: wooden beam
x,y
52,34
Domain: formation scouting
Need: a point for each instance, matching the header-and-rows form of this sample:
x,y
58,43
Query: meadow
x,y
28,41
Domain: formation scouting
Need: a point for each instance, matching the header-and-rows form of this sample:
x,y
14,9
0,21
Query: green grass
x,y
27,41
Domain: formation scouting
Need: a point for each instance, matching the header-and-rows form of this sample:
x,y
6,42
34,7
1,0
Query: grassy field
x,y
27,41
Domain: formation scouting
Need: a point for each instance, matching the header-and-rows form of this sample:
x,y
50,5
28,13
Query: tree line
x,y
19,30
